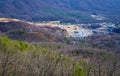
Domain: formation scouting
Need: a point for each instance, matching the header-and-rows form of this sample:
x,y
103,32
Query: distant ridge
x,y
64,10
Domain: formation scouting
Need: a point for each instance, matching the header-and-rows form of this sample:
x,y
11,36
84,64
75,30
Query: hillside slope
x,y
64,10
20,30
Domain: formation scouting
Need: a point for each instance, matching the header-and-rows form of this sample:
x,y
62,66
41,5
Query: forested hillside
x,y
23,59
64,10
59,37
